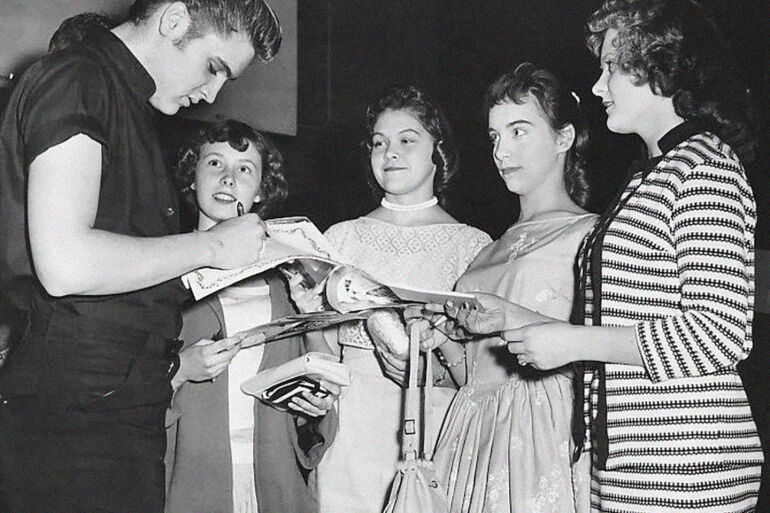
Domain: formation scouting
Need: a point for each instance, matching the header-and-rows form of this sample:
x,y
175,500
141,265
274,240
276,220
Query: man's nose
x,y
211,90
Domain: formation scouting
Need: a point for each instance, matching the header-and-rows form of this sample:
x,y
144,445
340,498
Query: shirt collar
x,y
679,134
137,79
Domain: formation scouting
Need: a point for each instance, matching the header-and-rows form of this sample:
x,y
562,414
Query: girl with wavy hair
x,y
252,455
408,239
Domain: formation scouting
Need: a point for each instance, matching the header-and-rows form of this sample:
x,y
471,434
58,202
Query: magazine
x,y
295,246
292,325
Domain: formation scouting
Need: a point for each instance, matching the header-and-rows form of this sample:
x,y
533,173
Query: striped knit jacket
x,y
677,263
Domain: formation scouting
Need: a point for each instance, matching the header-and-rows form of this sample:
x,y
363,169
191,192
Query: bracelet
x,y
437,380
445,363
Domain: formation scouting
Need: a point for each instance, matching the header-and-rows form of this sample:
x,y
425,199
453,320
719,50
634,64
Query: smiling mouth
x,y
393,168
224,197
607,104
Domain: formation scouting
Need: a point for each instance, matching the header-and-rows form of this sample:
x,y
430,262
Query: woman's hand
x,y
488,316
545,346
492,314
313,406
205,360
434,328
388,333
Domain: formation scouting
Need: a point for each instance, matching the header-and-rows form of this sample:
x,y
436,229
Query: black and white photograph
x,y
566,201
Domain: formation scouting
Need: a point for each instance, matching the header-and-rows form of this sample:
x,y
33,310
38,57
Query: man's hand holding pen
x,y
238,241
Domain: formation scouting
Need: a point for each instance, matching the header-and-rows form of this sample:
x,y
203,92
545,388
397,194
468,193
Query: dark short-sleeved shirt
x,y
82,348
100,89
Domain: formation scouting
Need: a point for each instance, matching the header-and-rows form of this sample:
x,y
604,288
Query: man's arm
x,y
71,257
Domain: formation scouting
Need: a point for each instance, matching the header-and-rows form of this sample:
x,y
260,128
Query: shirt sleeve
x,y
712,225
476,241
66,99
334,234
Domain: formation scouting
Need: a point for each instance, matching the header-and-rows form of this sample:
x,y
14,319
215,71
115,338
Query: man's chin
x,y
168,108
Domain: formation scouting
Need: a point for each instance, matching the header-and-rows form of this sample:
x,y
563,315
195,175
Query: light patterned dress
x,y
357,470
506,442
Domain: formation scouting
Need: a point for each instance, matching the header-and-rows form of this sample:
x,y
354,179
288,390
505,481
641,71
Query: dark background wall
x,y
349,52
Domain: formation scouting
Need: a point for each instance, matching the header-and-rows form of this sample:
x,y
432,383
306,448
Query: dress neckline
x,y
551,219
406,226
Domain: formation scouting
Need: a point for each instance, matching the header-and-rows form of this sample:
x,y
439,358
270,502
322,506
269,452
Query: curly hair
x,y
561,108
273,189
254,18
675,48
432,119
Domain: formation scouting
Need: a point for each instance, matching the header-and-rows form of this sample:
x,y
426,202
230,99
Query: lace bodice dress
x,y
356,472
505,444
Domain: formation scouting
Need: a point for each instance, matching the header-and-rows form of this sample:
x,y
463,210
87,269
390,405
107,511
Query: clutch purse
x,y
278,385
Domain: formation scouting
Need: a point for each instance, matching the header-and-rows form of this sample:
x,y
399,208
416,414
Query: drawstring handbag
x,y
415,489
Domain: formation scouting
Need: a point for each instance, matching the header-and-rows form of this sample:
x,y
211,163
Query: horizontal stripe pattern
x,y
678,265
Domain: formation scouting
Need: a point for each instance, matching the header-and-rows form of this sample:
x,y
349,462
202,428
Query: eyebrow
x,y
224,66
518,122
400,132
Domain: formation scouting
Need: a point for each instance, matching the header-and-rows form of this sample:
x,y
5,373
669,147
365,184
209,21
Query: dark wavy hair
x,y
273,189
254,18
433,120
75,28
561,108
675,48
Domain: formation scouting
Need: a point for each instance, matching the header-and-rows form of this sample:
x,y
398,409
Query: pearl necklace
x,y
408,208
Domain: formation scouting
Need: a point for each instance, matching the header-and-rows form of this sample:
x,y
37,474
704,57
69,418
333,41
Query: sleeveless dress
x,y
506,442
357,470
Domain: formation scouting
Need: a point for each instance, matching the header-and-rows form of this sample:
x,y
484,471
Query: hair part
x,y
674,47
254,18
560,107
433,120
273,188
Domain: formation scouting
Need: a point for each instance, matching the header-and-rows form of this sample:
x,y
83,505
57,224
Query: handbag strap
x,y
412,424
427,432
411,407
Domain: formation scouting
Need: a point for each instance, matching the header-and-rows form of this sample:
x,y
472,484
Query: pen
x,y
239,210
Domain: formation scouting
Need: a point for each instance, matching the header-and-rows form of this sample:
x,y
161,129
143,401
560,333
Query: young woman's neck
x,y
661,121
544,201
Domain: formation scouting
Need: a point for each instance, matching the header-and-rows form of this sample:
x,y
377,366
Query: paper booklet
x,y
278,385
296,246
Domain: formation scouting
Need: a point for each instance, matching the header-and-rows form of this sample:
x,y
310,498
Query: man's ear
x,y
174,21
566,137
